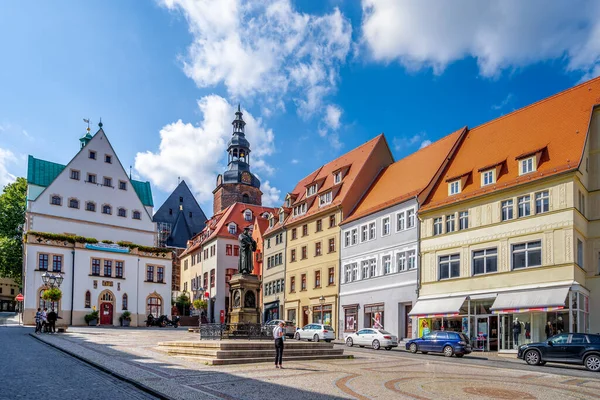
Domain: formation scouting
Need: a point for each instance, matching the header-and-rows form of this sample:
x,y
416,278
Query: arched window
x,y
235,154
90,206
245,198
56,201
232,228
50,305
125,301
154,306
137,215
88,299
73,203
247,214
106,209
107,296
122,212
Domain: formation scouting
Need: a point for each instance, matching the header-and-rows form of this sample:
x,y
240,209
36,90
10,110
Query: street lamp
x,y
52,280
198,293
321,301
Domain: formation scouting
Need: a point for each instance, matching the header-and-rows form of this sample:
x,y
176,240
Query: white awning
x,y
437,307
531,300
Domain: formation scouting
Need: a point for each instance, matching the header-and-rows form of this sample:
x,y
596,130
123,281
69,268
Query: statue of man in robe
x,y
247,247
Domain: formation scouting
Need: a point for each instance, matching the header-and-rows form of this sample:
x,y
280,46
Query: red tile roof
x,y
406,178
556,126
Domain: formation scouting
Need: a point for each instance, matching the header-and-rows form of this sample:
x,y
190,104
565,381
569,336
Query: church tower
x,y
237,184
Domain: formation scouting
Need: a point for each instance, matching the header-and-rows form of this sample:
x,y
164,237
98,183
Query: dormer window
x,y
271,222
337,177
300,209
312,190
488,177
325,199
281,216
232,228
527,165
454,187
248,215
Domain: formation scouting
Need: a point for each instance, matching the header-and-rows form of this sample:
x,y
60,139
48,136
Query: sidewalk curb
x,y
120,377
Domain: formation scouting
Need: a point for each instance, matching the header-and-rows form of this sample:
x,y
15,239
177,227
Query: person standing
x,y
38,321
45,320
52,317
278,334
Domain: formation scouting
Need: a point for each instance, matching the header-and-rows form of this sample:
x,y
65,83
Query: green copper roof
x,y
42,173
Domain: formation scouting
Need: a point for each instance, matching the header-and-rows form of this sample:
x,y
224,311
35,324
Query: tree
x,y
183,304
12,219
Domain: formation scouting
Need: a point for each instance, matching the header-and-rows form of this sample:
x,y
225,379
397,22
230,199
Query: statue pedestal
x,y
245,304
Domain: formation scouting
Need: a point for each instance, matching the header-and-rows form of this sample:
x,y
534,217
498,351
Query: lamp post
x,y
321,301
198,293
52,280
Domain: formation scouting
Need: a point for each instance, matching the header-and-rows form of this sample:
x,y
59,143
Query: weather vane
x,y
87,121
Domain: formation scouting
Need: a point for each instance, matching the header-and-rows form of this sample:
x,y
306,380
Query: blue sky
x,y
315,78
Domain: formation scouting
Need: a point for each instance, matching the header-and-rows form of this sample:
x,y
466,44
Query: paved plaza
x,y
132,354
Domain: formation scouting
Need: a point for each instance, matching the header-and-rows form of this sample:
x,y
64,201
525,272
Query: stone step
x,y
216,361
245,345
232,354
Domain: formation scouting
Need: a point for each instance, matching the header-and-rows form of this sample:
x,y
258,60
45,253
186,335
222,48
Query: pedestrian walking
x,y
52,317
45,320
38,321
279,334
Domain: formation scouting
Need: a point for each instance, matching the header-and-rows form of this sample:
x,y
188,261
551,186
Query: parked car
x,y
449,343
566,348
316,332
290,327
376,338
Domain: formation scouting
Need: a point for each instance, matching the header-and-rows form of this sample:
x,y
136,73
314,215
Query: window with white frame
x,y
387,265
232,228
410,219
347,273
346,238
325,199
300,209
248,215
463,220
412,259
449,266
524,206
371,230
337,177
385,226
400,221
487,177
364,233
527,165
364,265
485,261
401,262
527,255
355,272
373,267
281,216
454,187
437,226
507,210
312,189
354,236
542,202
450,223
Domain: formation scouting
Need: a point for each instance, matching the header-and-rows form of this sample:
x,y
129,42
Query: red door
x,y
106,314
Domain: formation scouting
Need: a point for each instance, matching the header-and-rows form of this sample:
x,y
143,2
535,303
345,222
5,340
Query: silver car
x,y
316,332
290,327
376,338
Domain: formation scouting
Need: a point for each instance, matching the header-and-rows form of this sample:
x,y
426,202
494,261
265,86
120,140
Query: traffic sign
x,y
19,297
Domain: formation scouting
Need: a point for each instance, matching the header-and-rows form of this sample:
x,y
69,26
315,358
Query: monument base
x,y
244,291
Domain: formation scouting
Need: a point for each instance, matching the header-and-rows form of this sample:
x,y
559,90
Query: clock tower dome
x,y
237,184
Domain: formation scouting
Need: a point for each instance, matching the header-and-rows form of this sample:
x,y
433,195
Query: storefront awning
x,y
437,307
530,300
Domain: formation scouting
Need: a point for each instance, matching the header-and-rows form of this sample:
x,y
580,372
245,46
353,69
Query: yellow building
x,y
510,241
318,204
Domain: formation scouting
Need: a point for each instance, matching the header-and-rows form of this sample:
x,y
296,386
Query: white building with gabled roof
x,y
92,224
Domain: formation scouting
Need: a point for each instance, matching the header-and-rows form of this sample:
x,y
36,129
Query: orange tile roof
x,y
353,160
406,178
557,126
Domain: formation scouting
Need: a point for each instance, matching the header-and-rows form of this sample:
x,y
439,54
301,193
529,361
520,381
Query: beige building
x,y
8,290
510,241
274,259
318,204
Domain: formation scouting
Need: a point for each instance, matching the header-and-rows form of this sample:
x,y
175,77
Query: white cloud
x,y
265,50
332,116
499,35
271,195
6,157
294,161
503,103
408,141
424,144
196,153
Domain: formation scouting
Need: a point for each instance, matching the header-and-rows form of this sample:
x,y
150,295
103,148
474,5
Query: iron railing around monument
x,y
247,331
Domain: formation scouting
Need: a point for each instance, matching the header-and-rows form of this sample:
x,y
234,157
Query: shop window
x,y
374,316
485,261
526,255
322,314
449,266
350,319
291,315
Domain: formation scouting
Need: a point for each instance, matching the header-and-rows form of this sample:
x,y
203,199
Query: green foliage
x,y
126,316
183,304
200,304
81,239
52,294
108,241
12,218
91,316
147,249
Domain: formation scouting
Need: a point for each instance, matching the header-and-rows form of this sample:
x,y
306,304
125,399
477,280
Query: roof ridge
x,y
552,97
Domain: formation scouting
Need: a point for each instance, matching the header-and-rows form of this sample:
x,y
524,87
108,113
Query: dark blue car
x,y
449,343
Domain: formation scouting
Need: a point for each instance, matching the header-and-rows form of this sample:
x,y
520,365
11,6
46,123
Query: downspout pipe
x,y
72,282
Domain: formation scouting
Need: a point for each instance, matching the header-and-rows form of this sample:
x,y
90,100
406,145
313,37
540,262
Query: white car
x,y
376,338
315,332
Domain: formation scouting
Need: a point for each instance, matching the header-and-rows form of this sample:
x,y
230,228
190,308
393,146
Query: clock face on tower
x,y
246,178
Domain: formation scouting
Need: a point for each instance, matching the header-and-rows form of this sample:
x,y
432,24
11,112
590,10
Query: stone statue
x,y
247,247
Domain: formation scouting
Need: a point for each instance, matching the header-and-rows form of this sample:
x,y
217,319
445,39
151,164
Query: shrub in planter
x,y
200,304
125,318
92,318
52,294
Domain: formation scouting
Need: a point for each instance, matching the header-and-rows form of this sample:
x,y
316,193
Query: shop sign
x,y
107,283
424,326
